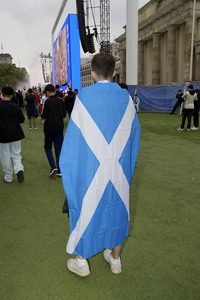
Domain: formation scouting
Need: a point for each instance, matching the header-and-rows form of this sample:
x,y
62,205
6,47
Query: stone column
x,y
156,59
140,63
188,38
123,66
171,54
197,61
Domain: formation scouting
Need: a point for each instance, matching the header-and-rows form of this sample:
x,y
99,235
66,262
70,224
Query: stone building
x,y
86,78
115,50
5,58
164,42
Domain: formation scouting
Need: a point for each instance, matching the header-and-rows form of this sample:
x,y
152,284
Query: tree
x,y
11,75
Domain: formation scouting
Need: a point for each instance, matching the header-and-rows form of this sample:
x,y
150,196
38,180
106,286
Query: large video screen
x,y
66,48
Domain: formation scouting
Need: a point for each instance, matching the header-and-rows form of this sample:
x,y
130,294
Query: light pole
x,y
131,42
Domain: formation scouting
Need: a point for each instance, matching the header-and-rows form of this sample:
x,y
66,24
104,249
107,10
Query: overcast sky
x,y
26,25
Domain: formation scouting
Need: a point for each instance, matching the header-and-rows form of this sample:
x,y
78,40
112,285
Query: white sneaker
x,y
73,266
194,128
180,129
53,172
115,265
188,129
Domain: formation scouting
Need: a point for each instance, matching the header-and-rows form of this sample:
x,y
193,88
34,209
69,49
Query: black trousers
x,y
49,140
178,103
187,113
196,113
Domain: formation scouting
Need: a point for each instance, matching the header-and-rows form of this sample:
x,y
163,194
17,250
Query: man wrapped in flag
x,y
97,162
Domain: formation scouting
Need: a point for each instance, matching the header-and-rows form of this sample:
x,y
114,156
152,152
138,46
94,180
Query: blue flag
x,y
97,162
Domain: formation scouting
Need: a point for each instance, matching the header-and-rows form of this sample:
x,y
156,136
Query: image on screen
x,y
66,48
61,58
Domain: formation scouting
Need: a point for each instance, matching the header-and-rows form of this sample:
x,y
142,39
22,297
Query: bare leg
x,y
116,252
80,257
30,123
34,123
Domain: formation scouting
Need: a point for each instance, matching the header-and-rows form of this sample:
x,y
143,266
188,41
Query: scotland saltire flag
x,y
97,162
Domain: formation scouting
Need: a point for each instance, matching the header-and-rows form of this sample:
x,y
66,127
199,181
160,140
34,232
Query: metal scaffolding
x,y
97,16
105,26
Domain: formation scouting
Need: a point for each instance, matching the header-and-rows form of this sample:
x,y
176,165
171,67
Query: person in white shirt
x,y
189,97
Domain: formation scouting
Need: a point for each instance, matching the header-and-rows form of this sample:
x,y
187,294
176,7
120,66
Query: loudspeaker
x,y
81,22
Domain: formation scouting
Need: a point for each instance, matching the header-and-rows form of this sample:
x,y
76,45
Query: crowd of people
x,y
189,104
39,103
93,135
51,105
42,103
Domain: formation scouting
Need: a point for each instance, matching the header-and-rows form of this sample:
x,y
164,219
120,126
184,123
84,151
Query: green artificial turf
x,y
161,256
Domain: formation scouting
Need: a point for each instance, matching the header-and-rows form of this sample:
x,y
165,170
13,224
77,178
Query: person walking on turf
x,y
196,111
97,162
53,113
31,109
178,102
189,97
11,135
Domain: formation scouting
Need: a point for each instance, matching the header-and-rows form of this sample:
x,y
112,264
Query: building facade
x,y
115,50
86,78
164,42
5,58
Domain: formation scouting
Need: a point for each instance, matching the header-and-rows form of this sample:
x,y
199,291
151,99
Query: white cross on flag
x,y
97,162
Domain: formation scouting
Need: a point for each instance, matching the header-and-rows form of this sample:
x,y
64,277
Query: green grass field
x,y
161,256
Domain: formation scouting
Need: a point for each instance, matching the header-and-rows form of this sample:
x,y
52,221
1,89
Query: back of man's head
x,y
190,86
103,64
49,88
30,91
7,90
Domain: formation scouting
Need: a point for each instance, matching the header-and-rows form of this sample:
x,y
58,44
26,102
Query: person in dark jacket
x,y
69,102
196,111
31,109
11,135
19,98
178,102
53,113
58,92
14,98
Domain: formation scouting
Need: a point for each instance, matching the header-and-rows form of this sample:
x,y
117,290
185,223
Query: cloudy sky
x,y
26,25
